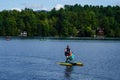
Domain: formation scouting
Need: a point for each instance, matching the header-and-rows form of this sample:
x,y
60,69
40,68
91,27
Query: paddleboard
x,y
71,64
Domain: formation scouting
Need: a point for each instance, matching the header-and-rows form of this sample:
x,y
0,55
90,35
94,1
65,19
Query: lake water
x,y
35,59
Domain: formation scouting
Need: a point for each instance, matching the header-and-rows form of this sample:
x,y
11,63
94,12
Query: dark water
x,y
34,59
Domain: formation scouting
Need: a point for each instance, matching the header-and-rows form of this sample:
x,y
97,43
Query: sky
x,y
50,4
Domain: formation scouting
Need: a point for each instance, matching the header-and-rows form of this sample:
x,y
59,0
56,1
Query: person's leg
x,y
66,59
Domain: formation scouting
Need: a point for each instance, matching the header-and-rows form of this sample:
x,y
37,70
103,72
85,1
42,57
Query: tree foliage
x,y
72,20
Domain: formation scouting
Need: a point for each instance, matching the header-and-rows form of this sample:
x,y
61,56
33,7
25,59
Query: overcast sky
x,y
50,4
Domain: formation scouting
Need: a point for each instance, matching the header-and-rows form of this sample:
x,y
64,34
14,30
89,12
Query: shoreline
x,y
60,38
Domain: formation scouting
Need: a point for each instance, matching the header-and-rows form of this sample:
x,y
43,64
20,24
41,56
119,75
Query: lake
x,y
35,59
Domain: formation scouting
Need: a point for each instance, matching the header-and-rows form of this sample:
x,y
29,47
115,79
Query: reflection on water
x,y
68,71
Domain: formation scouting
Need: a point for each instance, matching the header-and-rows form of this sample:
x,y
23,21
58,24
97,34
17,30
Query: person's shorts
x,y
71,57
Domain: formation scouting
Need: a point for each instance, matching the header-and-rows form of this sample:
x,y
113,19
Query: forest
x,y
72,20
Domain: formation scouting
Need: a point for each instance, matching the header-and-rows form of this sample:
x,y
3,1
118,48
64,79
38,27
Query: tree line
x,y
72,20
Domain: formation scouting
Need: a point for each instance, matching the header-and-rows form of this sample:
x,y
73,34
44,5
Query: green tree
x,y
72,20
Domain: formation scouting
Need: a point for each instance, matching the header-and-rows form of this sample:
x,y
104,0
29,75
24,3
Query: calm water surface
x,y
34,59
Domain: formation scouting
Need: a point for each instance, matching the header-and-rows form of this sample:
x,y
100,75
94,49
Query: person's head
x,y
68,46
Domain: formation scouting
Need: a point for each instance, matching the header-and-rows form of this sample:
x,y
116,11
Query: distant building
x,y
100,33
24,33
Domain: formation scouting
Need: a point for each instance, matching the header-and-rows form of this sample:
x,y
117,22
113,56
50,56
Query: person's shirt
x,y
67,52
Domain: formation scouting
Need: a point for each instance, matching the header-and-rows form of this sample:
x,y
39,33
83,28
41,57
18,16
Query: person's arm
x,y
65,50
70,53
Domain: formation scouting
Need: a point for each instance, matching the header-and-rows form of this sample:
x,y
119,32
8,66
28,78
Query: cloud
x,y
58,6
44,8
18,9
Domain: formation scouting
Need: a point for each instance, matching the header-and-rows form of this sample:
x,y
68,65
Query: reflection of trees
x,y
68,71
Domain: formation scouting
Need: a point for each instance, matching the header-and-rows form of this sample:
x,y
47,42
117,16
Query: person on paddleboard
x,y
68,54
